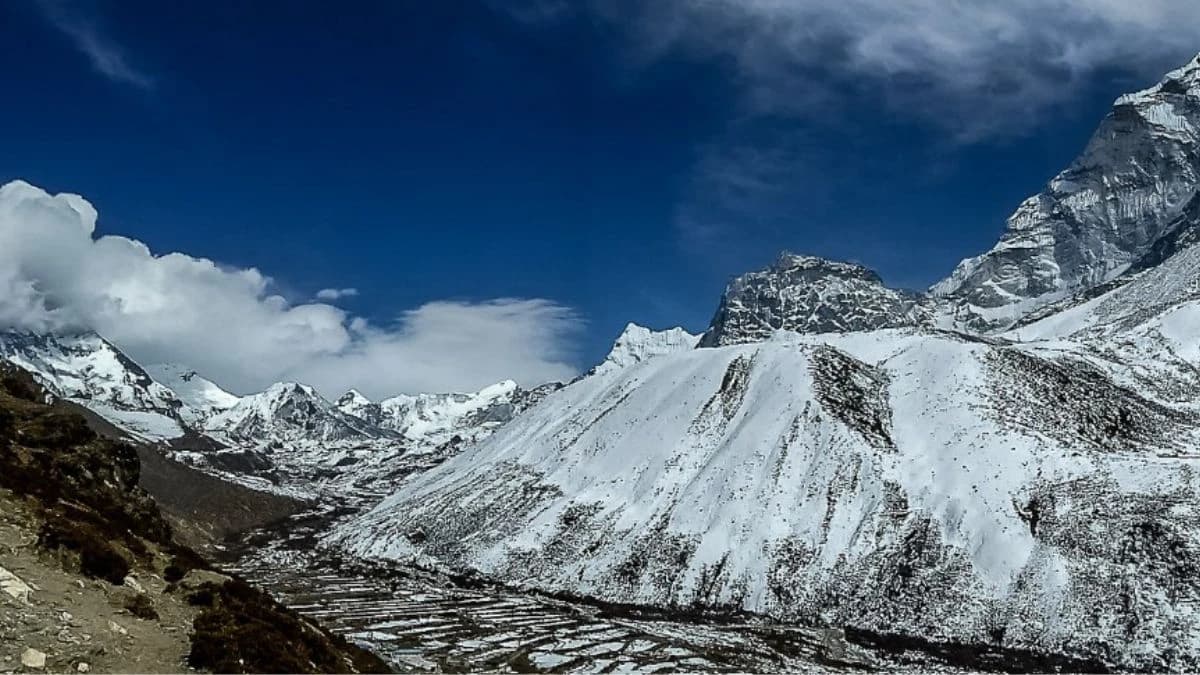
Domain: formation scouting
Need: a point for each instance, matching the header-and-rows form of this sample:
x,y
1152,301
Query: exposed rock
x,y
1096,218
810,295
14,586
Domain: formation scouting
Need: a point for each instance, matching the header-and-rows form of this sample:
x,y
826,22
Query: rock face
x,y
810,295
1095,218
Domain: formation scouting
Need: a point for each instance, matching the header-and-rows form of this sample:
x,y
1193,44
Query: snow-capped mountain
x,y
901,481
810,295
287,412
1097,217
287,438
88,370
638,343
833,457
435,416
201,397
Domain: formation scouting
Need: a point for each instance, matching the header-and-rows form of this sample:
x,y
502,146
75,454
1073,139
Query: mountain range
x,y
1005,459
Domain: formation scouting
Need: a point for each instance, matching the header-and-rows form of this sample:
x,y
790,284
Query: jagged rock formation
x,y
810,295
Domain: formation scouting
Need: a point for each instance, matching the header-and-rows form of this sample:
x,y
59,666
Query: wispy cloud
x,y
969,71
978,68
330,294
85,32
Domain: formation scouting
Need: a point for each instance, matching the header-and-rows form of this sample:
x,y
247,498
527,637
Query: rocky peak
x,y
1105,211
807,294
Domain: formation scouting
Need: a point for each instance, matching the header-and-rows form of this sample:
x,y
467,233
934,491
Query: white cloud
x,y
976,67
330,294
55,274
105,55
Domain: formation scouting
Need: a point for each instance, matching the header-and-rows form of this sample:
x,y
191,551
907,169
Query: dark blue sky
x,y
429,150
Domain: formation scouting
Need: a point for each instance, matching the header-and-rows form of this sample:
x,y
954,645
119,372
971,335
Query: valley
x,y
997,473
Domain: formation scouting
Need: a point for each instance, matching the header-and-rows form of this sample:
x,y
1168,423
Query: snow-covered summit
x,y
638,343
442,416
87,369
287,412
201,397
807,294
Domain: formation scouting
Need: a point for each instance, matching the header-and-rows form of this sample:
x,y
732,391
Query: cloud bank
x,y
56,274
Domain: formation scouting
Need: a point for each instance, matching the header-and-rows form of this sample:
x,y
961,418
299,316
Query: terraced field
x,y
422,623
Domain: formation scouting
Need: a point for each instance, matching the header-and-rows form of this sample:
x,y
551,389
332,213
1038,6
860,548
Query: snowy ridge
x,y
201,397
287,412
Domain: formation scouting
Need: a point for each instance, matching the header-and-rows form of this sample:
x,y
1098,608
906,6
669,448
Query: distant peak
x,y
638,343
353,396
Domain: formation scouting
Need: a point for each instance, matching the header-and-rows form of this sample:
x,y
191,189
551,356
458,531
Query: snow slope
x,y
898,480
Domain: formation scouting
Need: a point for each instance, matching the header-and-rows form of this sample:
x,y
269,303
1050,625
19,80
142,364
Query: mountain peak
x,y
814,266
1184,80
352,397
638,343
807,294
1093,220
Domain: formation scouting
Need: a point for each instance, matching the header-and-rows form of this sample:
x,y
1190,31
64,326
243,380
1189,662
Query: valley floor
x,y
420,622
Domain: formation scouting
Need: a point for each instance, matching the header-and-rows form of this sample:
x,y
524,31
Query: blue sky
x,y
619,162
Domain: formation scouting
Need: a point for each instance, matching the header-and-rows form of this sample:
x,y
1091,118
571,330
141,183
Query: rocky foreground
x,y
93,578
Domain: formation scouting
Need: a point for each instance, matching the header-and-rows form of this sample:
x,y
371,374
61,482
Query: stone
x,y
82,667
117,628
133,583
14,586
197,578
32,658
